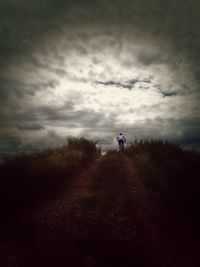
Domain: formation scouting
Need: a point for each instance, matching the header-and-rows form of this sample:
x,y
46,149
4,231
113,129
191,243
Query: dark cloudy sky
x,y
97,68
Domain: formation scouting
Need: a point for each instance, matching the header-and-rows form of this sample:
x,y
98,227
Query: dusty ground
x,y
105,217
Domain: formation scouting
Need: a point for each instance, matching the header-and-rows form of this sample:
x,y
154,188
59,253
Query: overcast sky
x,y
97,68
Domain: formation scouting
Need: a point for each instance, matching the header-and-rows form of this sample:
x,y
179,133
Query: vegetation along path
x,y
105,218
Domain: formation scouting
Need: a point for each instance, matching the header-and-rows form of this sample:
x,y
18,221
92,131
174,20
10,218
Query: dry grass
x,y
171,175
26,178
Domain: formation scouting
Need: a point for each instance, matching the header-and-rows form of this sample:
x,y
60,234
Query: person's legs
x,y
121,145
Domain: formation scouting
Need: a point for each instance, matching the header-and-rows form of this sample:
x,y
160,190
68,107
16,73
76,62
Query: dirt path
x,y
164,247
54,223
105,218
36,230
160,250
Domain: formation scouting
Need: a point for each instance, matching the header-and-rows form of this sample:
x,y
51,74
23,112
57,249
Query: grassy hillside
x,y
39,176
71,206
172,175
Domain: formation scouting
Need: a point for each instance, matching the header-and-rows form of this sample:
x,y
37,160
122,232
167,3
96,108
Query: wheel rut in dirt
x,y
105,218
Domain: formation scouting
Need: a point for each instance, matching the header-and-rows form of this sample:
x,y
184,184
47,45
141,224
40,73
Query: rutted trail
x,y
105,218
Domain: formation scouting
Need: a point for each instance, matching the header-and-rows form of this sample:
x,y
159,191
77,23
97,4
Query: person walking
x,y
121,141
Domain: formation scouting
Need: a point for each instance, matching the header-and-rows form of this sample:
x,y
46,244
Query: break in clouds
x,y
97,68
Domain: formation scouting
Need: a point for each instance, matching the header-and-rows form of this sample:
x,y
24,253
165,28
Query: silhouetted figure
x,y
121,140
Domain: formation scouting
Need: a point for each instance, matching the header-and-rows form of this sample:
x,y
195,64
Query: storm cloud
x,y
96,68
127,84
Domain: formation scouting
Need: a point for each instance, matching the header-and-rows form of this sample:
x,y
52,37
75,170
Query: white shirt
x,y
121,137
